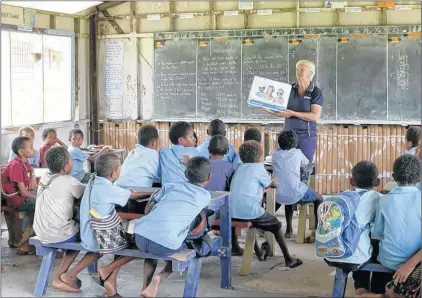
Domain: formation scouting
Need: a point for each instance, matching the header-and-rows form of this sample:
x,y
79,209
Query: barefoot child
x,y
50,139
164,230
98,205
246,189
53,221
287,162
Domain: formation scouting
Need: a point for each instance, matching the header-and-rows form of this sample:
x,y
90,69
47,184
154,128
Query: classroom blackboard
x,y
263,57
404,79
365,75
219,77
175,78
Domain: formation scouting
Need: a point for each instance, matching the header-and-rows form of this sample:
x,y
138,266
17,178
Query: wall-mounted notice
x,y
113,67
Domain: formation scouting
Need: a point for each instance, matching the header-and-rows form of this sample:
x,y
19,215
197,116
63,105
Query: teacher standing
x,y
304,108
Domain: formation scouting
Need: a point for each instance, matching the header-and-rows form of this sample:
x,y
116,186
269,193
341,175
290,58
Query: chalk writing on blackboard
x,y
113,68
403,74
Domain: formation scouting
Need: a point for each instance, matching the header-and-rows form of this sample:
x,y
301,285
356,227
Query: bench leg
x,y
92,268
192,278
311,217
340,283
47,263
301,229
270,208
245,267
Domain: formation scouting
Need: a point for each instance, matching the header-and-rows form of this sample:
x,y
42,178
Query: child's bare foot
x,y
237,251
264,251
310,238
110,284
293,263
64,287
288,233
71,281
152,289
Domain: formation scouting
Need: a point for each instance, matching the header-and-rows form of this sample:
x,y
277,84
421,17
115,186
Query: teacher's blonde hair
x,y
308,64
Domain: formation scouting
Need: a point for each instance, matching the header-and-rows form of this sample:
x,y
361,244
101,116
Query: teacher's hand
x,y
287,114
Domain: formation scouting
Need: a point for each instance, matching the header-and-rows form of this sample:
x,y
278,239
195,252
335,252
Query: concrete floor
x,y
268,279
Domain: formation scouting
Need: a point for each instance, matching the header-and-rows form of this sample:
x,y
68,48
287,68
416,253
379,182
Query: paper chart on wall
x,y
113,68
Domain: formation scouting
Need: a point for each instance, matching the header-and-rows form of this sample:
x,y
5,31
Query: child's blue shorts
x,y
309,196
148,246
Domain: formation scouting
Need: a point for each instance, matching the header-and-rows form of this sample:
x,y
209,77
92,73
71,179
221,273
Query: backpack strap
x,y
367,226
42,186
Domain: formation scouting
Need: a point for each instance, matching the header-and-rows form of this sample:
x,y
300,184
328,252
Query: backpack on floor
x,y
338,232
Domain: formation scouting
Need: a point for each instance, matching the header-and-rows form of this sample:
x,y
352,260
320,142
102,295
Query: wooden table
x,y
220,201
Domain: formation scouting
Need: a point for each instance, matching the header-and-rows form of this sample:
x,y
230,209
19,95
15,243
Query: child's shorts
x,y
266,222
148,246
309,196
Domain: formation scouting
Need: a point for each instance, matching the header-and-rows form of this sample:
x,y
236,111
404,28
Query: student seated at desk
x,y
286,163
246,189
99,205
50,139
173,160
216,127
164,230
79,157
28,131
398,221
53,222
221,174
364,180
142,165
413,135
18,185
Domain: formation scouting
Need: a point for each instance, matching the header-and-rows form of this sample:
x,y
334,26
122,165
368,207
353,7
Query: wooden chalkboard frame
x,y
293,32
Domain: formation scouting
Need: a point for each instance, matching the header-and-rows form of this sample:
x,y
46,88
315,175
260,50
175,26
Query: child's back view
x,y
413,134
164,230
142,165
173,160
364,179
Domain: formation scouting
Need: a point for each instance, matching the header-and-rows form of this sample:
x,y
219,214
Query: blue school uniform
x,y
171,163
32,161
203,151
398,226
104,198
79,157
286,166
169,221
246,190
140,168
418,185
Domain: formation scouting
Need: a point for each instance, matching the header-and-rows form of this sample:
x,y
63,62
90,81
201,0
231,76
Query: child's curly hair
x,y
250,152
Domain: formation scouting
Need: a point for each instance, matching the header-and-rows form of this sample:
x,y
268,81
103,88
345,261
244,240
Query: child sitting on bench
x,y
164,230
99,205
53,222
364,180
246,189
287,162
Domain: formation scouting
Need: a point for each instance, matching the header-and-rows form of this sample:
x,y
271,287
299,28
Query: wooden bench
x,y
246,265
340,280
180,261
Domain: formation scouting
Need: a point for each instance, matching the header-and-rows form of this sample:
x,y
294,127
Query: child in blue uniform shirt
x,y
102,199
173,160
142,165
164,230
248,184
398,221
216,127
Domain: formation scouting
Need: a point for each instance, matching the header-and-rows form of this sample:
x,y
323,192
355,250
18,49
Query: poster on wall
x,y
269,94
335,4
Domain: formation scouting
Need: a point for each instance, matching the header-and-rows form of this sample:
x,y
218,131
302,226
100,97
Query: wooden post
x,y
93,98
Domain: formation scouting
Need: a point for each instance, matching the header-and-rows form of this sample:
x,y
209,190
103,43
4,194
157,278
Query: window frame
x,y
50,32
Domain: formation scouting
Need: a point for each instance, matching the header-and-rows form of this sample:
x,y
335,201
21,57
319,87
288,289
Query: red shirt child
x,y
49,136
18,177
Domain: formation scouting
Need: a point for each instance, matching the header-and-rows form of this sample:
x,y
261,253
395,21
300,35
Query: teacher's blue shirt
x,y
312,96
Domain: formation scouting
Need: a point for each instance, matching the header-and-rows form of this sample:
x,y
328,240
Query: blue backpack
x,y
338,231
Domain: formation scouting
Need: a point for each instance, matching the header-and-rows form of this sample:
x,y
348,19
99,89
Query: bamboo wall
x,y
338,147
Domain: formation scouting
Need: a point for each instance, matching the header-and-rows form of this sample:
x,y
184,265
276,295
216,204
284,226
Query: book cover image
x,y
266,93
